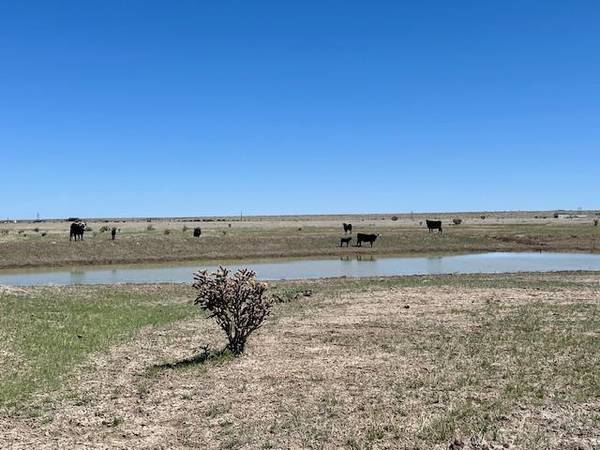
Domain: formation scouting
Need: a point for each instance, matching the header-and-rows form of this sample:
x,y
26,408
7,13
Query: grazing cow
x,y
434,225
347,227
345,240
197,232
113,233
76,231
370,238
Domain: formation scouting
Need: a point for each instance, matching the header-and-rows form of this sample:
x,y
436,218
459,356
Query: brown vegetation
x,y
272,237
503,361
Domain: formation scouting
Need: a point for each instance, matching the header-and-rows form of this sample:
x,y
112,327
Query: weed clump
x,y
149,228
237,303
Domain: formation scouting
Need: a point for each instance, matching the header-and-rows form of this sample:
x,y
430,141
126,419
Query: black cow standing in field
x,y
434,225
362,237
197,232
345,240
113,233
347,227
76,231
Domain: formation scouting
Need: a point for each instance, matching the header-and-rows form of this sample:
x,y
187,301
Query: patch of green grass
x,y
335,286
46,334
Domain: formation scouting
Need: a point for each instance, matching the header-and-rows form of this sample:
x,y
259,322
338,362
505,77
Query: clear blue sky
x,y
135,108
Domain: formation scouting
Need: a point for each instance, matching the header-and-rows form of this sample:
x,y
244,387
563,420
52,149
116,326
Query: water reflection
x,y
358,257
357,265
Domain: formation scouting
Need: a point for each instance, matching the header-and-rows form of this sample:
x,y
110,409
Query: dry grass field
x,y
46,244
495,361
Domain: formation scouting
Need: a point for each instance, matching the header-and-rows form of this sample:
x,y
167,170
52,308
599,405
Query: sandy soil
x,y
383,368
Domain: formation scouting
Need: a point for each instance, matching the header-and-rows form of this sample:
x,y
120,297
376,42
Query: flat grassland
x,y
498,360
46,244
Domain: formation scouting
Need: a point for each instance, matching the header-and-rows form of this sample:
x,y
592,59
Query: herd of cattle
x,y
77,230
370,238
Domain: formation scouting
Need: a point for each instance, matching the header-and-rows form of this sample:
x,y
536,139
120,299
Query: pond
x,y
349,266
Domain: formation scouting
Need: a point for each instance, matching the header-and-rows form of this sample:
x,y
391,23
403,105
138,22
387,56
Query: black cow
x,y
113,233
370,238
434,225
345,240
76,231
197,232
347,227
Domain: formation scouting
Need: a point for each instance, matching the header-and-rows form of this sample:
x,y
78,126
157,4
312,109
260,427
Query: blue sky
x,y
136,108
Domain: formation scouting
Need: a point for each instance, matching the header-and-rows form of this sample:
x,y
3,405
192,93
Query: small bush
x,y
595,222
184,229
150,228
88,228
36,229
394,218
104,228
237,303
167,231
482,217
44,234
456,221
5,232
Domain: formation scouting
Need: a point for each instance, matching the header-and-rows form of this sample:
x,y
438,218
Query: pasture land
x,y
414,362
293,236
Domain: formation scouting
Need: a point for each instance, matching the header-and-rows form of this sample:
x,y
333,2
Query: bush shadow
x,y
205,356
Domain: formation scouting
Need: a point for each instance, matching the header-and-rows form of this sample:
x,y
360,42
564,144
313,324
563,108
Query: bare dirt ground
x,y
492,361
46,244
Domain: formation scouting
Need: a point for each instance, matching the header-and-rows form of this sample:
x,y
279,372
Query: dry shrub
x,y
167,231
394,218
237,303
456,221
150,228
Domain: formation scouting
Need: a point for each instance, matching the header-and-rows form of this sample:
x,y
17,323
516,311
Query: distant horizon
x,y
233,216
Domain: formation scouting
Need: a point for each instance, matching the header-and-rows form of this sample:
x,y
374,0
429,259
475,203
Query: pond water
x,y
350,266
